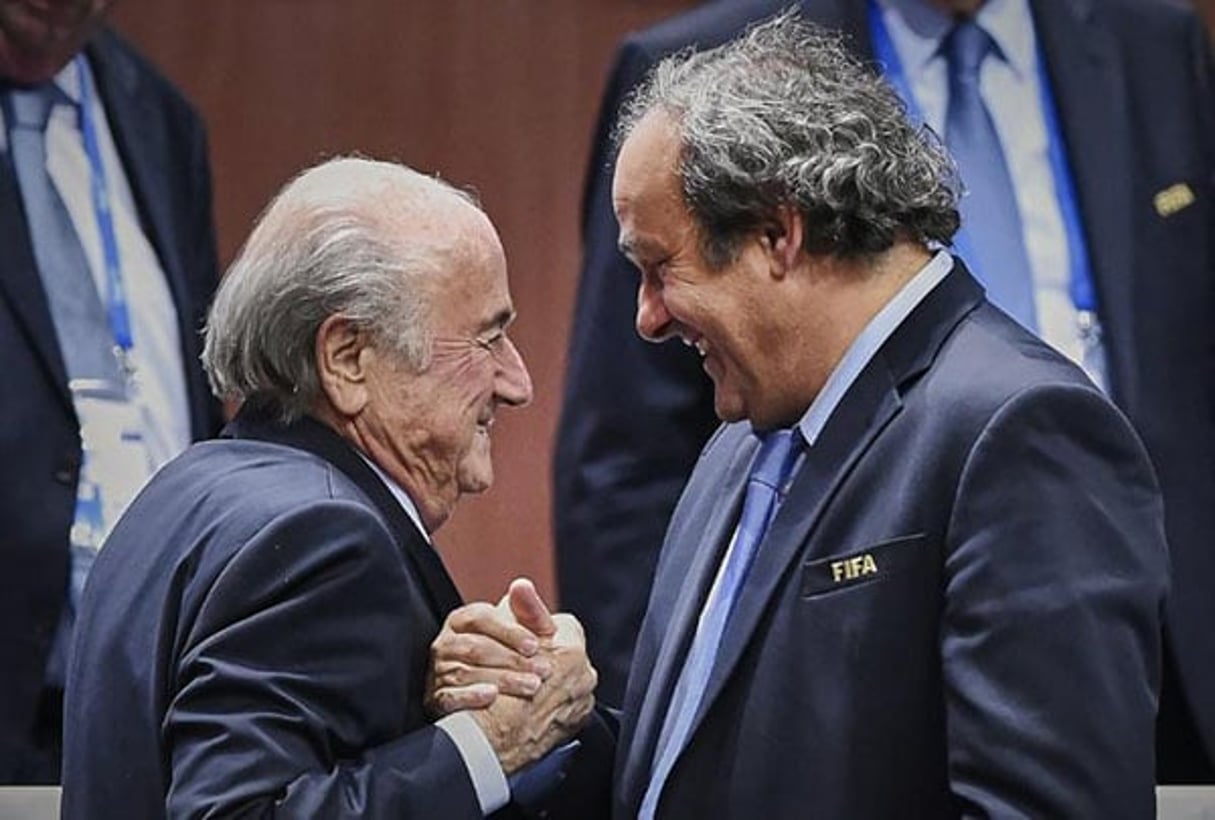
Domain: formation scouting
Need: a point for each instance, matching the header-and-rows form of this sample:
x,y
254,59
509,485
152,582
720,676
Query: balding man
x,y
262,644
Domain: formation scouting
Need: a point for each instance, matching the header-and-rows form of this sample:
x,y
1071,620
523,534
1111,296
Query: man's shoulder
x,y
989,361
225,497
284,475
1146,19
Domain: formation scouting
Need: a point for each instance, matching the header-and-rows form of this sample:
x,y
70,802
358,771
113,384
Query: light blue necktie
x,y
989,208
80,321
769,471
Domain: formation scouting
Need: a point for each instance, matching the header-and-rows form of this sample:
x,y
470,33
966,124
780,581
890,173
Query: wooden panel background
x,y
497,94
501,95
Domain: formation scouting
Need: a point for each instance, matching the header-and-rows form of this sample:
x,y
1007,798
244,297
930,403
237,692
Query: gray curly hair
x,y
329,243
783,116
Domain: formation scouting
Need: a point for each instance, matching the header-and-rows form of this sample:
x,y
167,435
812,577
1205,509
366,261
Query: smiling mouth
x,y
699,344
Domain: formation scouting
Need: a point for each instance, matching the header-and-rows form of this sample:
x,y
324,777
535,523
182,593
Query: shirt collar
x,y
866,345
402,497
918,27
68,79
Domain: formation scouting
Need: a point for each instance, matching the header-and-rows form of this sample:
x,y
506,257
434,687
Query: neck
x,y
846,295
960,8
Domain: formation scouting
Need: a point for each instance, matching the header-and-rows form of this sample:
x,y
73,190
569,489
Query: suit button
x,y
68,470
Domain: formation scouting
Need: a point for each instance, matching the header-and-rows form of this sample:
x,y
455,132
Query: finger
x,y
470,650
453,676
458,698
529,608
492,623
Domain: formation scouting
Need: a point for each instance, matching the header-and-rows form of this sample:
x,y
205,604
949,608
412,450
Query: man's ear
x,y
782,238
341,364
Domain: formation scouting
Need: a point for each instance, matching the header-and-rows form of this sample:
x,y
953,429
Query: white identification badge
x,y
114,460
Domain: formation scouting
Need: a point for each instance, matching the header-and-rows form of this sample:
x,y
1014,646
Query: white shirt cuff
x,y
488,779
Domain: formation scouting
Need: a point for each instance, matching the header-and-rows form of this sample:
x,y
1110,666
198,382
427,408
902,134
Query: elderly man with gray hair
x,y
262,646
919,570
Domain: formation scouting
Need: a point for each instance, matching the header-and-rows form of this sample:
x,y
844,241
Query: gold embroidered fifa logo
x,y
1173,199
849,569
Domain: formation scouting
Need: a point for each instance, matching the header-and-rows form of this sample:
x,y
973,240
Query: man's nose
x,y
514,383
653,320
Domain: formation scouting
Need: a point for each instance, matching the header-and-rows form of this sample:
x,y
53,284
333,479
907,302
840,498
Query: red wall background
x,y
501,95
497,94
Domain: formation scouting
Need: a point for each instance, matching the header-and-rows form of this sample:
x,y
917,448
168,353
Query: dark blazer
x,y
163,150
994,649
1133,82
254,640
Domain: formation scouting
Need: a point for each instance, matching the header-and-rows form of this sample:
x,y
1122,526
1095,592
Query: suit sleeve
x,y
634,418
1056,576
299,668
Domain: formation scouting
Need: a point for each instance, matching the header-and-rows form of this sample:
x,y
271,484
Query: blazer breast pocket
x,y
873,564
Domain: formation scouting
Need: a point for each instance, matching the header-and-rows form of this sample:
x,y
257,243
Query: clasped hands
x,y
519,670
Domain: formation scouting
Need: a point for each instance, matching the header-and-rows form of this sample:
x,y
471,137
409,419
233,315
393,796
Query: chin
x,y
28,73
476,478
728,408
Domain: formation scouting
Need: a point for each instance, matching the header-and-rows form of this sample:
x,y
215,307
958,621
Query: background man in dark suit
x,y
255,637
105,222
1115,191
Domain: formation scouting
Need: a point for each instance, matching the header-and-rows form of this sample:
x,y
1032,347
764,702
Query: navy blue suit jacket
x,y
163,149
254,641
1133,82
955,613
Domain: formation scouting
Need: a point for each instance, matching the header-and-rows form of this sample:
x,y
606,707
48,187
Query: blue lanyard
x,y
115,292
1080,281
1080,275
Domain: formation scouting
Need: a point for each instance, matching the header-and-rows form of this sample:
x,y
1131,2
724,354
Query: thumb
x,y
529,608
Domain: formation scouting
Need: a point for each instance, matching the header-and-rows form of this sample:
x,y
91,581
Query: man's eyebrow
x,y
500,320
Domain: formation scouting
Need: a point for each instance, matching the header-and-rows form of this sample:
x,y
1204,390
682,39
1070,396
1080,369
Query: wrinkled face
x,y
39,37
430,431
721,312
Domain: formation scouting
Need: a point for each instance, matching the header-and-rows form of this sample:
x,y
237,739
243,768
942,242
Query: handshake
x,y
519,670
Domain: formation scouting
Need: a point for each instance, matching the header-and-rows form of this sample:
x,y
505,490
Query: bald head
x,y
359,237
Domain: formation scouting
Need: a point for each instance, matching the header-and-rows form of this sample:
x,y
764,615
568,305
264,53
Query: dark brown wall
x,y
498,94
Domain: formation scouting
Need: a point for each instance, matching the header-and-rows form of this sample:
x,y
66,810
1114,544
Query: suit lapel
x,y
702,539
313,437
1088,81
868,406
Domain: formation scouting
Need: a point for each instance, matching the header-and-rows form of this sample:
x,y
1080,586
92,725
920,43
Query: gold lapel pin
x,y
1173,199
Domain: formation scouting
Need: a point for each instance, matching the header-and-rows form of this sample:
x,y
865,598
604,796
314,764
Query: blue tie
x,y
80,321
989,208
769,471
